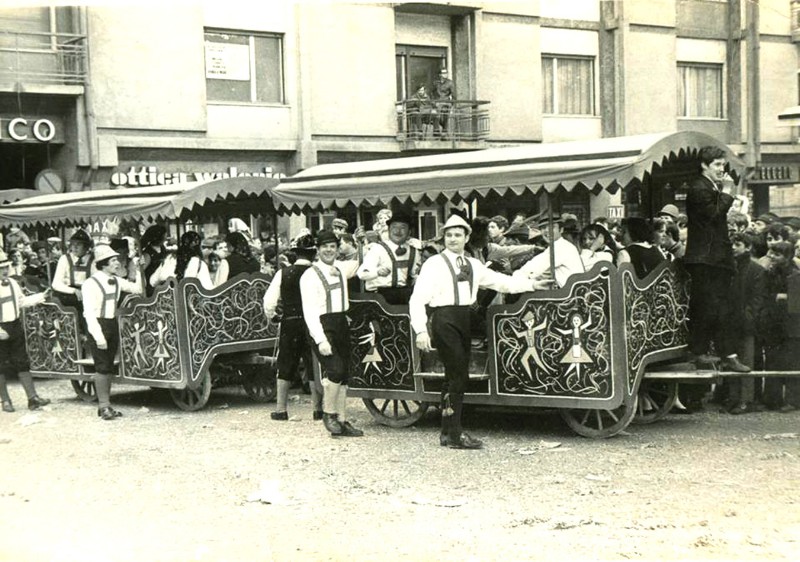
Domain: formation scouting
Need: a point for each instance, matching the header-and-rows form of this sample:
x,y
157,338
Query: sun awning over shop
x,y
602,164
217,198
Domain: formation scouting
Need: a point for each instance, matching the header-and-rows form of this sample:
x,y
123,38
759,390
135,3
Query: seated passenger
x,y
390,266
593,246
188,262
636,236
240,256
566,256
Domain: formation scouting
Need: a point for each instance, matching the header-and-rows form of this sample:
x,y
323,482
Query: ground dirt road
x,y
227,483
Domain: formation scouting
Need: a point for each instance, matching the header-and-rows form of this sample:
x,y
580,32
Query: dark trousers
x,y
13,356
709,311
335,367
395,295
450,326
104,358
294,344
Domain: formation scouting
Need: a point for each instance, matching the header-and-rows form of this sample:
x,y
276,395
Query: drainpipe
x,y
88,106
753,86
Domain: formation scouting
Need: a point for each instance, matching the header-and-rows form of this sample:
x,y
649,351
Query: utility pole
x,y
753,86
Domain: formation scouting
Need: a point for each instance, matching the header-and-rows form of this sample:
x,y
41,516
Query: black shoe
x,y
464,441
279,416
317,415
331,422
787,408
444,439
8,407
37,402
733,364
349,431
108,413
740,409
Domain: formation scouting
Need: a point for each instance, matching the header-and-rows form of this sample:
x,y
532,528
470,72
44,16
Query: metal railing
x,y
43,58
449,121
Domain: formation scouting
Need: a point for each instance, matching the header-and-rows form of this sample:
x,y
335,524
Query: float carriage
x,y
183,338
633,331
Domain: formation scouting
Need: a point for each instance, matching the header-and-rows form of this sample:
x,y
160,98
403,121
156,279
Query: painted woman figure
x,y
576,354
372,357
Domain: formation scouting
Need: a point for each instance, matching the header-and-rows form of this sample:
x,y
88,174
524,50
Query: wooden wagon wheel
x,y
191,400
656,399
259,385
85,390
599,424
394,412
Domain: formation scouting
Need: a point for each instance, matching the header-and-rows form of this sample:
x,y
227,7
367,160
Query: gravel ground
x,y
227,483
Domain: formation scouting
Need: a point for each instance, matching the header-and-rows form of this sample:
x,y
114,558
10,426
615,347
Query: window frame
x,y
683,85
592,60
250,35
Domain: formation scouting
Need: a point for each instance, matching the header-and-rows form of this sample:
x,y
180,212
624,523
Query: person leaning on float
x,y
323,288
389,266
13,356
73,269
101,294
450,319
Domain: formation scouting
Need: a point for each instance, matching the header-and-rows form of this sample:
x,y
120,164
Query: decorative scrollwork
x,y
51,338
381,354
557,347
655,317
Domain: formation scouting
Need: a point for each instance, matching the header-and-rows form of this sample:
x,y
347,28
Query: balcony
x,y
455,124
42,59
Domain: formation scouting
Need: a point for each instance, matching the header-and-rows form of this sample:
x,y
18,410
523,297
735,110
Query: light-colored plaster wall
x,y
650,94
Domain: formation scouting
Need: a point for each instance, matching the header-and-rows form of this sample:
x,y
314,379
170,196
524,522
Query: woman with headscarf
x,y
187,263
154,252
240,256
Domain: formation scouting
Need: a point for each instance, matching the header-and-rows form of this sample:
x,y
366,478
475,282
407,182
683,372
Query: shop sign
x,y
145,176
24,129
774,173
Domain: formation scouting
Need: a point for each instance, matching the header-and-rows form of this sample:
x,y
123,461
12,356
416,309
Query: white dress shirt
x,y
377,257
13,300
434,286
567,261
61,277
94,298
315,297
590,258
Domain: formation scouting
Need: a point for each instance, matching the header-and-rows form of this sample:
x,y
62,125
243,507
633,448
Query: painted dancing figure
x,y
576,354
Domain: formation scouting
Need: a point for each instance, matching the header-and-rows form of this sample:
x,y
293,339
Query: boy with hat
x,y
293,340
567,258
101,293
339,227
323,287
73,269
13,356
448,285
389,266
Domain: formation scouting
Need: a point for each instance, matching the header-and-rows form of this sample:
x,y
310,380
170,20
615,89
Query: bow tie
x,y
112,281
401,250
464,269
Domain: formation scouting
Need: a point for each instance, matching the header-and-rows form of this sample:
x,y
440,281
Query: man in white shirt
x,y
73,269
567,257
325,302
100,297
448,284
389,266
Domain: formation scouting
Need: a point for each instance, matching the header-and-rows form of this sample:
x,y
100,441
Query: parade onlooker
x,y
339,227
638,251
13,356
213,262
593,246
293,342
323,288
101,294
498,225
240,256
669,213
448,285
671,243
73,269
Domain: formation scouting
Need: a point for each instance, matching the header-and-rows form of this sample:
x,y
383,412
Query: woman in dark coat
x,y
153,252
240,258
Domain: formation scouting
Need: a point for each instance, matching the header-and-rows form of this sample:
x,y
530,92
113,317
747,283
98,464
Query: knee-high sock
x,y
341,402
26,380
282,387
102,383
330,396
4,389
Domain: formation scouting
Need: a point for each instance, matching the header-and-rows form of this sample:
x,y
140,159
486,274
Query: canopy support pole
x,y
550,234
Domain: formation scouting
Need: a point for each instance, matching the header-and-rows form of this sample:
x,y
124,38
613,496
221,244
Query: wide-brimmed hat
x,y
544,220
104,252
457,221
326,236
766,218
670,210
120,245
4,261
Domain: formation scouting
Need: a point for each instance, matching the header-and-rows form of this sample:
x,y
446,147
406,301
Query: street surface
x,y
227,483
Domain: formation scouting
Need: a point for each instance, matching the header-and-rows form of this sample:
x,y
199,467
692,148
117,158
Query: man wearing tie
x,y
325,302
100,297
448,284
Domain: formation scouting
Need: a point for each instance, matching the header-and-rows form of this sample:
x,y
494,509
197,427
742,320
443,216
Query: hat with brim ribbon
x,y
457,221
103,252
81,236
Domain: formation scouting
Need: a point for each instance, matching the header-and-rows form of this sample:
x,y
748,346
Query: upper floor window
x,y
244,67
700,90
568,84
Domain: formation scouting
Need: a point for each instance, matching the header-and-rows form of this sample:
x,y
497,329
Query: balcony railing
x,y
42,58
445,121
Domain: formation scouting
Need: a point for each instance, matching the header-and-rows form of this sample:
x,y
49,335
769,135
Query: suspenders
x,y
454,277
399,264
329,287
108,298
74,268
12,298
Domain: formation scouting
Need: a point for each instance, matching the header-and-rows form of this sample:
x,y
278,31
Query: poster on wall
x,y
226,61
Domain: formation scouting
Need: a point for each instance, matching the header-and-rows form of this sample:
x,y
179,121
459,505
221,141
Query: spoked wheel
x,y
599,424
85,390
260,385
656,399
396,413
191,400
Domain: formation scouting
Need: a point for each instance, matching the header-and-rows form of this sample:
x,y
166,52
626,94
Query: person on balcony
x,y
420,112
443,93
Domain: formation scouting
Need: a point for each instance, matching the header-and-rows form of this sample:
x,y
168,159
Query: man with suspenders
x,y
448,285
390,266
73,269
13,356
100,299
325,302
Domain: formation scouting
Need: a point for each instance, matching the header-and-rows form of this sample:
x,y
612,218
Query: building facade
x,y
126,96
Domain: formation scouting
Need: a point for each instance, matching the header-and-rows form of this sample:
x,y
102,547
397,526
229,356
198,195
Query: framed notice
x,y
227,61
